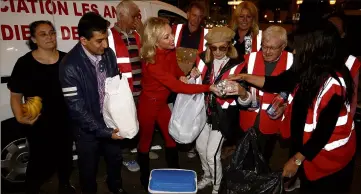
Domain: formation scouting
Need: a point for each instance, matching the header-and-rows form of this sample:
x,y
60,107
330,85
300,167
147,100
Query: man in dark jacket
x,y
82,75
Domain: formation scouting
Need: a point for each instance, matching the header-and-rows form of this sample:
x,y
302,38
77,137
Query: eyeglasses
x,y
221,48
43,34
271,48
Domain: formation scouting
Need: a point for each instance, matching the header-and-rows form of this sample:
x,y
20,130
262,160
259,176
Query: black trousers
x,y
266,144
50,151
88,159
339,182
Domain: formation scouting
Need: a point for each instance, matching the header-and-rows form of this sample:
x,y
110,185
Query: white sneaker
x,y
204,182
215,189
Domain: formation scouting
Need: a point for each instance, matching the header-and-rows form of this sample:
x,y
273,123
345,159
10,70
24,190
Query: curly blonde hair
x,y
251,7
153,29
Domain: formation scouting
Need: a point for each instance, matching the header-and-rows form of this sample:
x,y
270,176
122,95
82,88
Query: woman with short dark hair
x,y
48,135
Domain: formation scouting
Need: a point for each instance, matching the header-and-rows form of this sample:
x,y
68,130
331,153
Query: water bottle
x,y
277,101
254,99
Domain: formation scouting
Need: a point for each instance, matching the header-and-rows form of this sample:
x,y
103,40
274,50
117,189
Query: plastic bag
x,y
119,109
254,178
188,117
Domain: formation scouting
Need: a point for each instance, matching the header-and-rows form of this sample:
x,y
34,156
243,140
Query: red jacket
x,y
162,77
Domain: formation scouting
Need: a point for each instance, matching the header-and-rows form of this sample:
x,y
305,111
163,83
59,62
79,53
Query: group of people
x,y
316,74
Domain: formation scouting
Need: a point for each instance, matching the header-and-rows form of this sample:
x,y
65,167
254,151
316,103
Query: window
x,y
172,17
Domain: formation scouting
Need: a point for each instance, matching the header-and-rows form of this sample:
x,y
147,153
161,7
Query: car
x,y
15,16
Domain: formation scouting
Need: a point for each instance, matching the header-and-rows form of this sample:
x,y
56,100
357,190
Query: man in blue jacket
x,y
82,75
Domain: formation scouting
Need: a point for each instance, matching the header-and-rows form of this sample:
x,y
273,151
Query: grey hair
x,y
123,8
275,31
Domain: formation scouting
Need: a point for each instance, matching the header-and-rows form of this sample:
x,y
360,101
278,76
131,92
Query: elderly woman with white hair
x,y
272,60
221,60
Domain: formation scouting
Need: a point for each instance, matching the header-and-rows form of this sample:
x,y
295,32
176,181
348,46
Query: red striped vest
x,y
117,44
178,29
341,147
224,102
255,65
256,42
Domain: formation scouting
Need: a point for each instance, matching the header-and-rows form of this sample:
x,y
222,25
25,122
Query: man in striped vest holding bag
x,y
190,35
272,60
125,40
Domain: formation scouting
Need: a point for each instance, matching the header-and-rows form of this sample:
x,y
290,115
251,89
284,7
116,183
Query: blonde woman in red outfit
x,y
161,76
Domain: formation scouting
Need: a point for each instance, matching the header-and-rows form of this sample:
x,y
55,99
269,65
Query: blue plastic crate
x,y
172,181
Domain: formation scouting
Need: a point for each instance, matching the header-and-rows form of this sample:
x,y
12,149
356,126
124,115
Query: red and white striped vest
x,y
178,29
341,147
117,44
256,66
224,102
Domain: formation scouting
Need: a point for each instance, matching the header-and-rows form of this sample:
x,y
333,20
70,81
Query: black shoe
x,y
120,191
143,161
172,158
66,189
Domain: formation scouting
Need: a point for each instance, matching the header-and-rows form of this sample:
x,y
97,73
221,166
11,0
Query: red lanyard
x,y
214,76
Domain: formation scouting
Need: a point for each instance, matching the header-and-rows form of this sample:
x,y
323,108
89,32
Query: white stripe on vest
x,y
259,40
350,61
111,40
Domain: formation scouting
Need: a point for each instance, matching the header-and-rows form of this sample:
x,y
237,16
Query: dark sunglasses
x,y
221,48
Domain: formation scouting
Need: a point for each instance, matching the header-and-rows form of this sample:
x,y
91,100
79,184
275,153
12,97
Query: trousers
x,y
209,145
48,154
150,112
88,159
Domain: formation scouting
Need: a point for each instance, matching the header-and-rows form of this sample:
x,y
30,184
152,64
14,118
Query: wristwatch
x,y
298,162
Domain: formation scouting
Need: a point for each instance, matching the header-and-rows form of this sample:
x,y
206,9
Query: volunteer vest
x,y
178,29
341,147
117,44
256,66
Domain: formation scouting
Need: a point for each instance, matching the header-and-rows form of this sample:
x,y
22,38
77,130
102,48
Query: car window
x,y
172,17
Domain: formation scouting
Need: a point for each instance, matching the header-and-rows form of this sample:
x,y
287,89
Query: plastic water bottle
x,y
254,99
277,101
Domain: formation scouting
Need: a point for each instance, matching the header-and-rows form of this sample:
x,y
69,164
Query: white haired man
x,y
271,60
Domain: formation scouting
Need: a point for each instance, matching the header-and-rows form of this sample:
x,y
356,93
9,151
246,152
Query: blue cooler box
x,y
172,181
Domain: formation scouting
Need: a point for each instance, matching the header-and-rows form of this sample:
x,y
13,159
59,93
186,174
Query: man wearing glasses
x,y
270,61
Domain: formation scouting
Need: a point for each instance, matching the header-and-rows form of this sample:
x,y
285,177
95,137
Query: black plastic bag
x,y
248,172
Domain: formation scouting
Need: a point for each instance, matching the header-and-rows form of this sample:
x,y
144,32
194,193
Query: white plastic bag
x,y
188,117
119,109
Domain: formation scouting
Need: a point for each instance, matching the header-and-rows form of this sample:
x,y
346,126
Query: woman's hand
x,y
291,168
183,79
195,73
26,120
233,88
215,90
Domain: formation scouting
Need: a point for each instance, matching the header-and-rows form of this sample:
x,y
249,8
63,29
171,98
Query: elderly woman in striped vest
x,y
217,63
318,118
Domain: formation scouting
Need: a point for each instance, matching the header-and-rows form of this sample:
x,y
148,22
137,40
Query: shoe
x,y
291,185
192,153
153,156
215,189
66,189
204,182
120,191
132,165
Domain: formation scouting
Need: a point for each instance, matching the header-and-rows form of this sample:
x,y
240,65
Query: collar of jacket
x,y
163,51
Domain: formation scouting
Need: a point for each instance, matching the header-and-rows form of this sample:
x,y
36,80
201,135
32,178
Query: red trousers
x,y
151,111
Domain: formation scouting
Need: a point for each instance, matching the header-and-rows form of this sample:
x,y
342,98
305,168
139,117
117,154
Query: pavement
x,y
131,179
